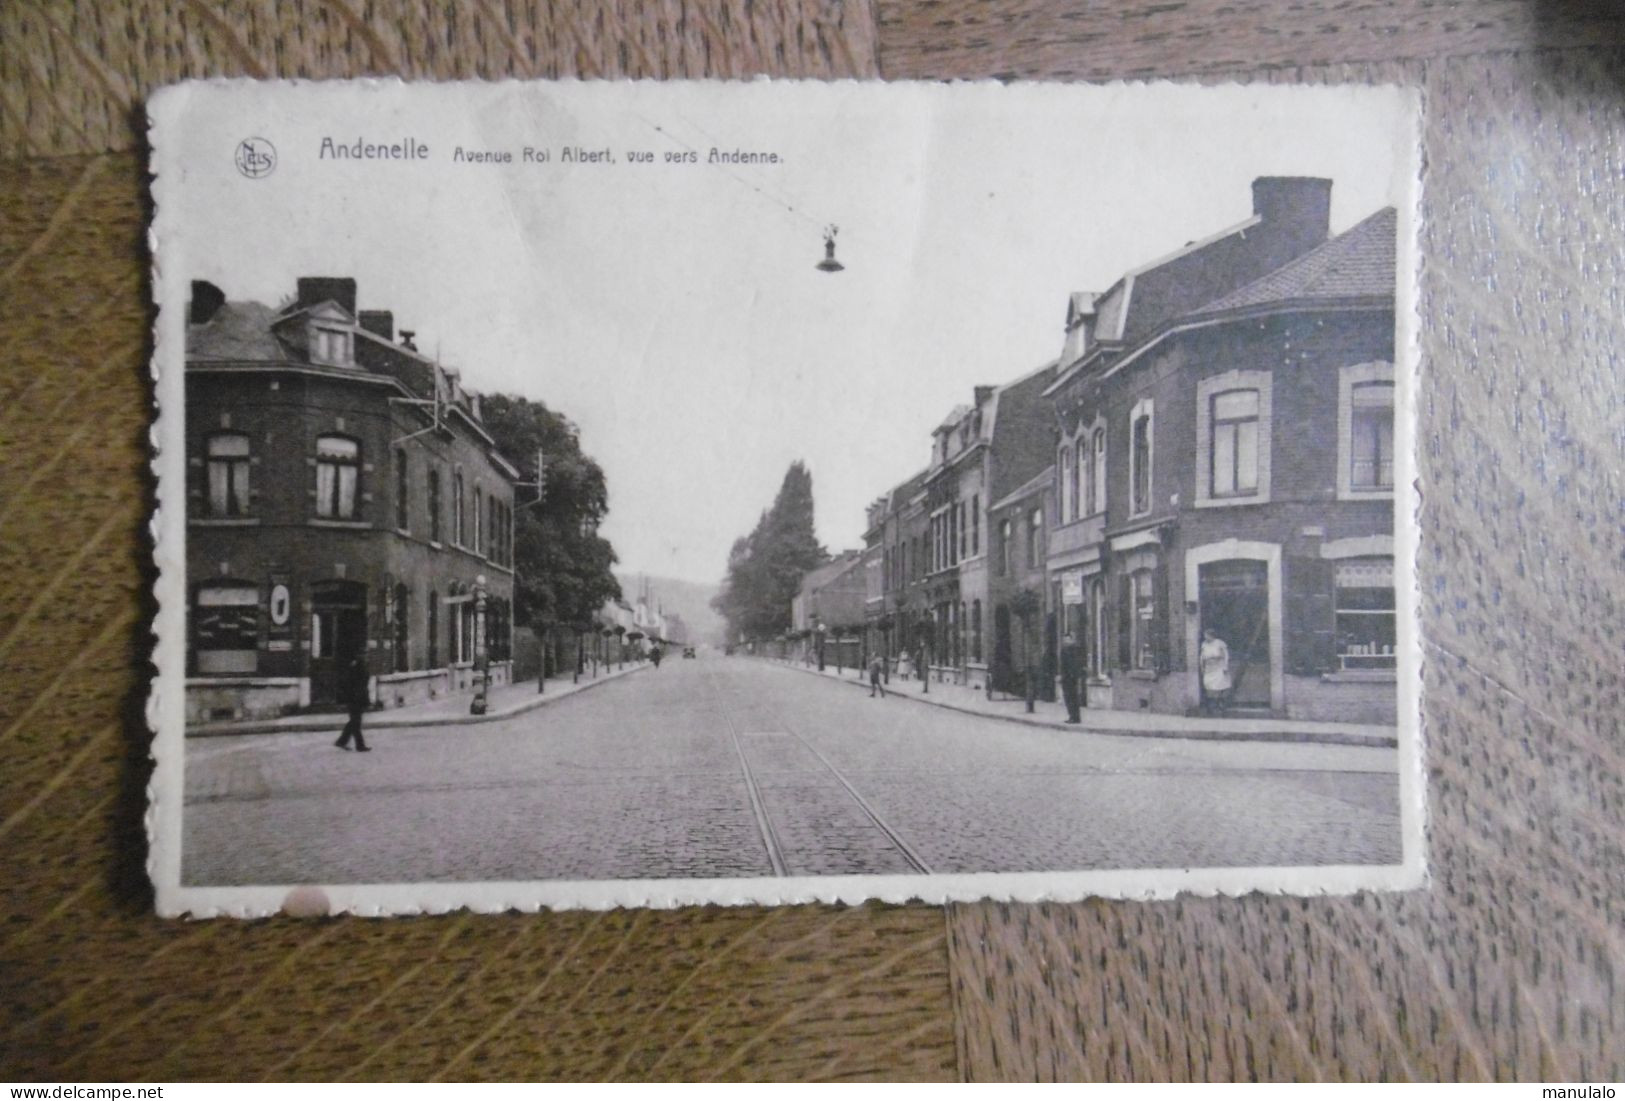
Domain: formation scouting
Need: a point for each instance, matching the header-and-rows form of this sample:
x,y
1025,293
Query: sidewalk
x,y
1137,724
503,702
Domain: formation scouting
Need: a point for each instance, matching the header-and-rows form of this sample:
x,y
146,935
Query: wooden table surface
x,y
1509,966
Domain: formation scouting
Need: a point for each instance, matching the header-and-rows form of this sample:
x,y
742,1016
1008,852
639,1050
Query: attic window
x,y
332,346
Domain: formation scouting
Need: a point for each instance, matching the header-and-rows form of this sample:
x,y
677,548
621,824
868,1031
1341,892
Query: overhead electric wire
x,y
776,199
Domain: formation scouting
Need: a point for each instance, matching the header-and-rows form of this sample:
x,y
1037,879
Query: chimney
x,y
206,302
406,339
316,289
1299,205
379,323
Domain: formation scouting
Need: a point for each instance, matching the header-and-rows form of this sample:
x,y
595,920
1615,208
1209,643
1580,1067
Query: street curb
x,y
1314,737
318,724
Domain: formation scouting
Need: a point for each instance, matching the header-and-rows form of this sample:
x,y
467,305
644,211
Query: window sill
x,y
1361,676
225,522
1232,502
437,544
341,525
1386,493
1143,674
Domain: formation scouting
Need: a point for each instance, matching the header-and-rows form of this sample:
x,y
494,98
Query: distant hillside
x,y
689,599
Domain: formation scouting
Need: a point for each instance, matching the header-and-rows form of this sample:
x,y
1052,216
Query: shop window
x,y
1142,619
228,465
225,627
1365,614
1097,621
338,474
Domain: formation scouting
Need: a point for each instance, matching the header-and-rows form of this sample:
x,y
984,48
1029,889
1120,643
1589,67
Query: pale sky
x,y
673,311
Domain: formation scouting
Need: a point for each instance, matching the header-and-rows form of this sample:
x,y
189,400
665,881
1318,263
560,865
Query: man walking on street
x,y
877,669
355,695
1071,676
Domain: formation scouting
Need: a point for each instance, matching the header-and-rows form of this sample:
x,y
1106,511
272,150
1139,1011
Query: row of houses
x,y
1211,449
343,499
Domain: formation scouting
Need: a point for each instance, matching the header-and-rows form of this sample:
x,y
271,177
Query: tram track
x,y
764,824
780,727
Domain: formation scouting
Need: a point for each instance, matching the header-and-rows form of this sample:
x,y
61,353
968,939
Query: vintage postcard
x,y
644,494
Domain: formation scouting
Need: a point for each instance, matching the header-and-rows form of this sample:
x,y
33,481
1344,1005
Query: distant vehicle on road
x,y
688,651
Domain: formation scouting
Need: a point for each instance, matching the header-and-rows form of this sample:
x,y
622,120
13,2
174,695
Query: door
x,y
1235,605
1003,673
338,632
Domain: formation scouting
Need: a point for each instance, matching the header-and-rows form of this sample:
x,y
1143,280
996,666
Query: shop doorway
x,y
338,632
1234,596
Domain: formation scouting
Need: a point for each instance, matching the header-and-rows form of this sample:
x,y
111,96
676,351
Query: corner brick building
x,y
342,498
1225,460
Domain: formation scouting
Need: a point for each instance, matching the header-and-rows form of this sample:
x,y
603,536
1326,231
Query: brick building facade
x,y
342,498
1212,450
1233,469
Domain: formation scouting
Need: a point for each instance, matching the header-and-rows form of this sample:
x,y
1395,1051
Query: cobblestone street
x,y
723,767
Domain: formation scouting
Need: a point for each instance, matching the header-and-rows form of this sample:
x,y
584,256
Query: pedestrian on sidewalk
x,y
356,695
655,654
1214,660
1071,676
877,670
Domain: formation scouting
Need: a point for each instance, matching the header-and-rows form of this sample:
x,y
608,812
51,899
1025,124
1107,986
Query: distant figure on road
x,y
353,686
877,669
1071,676
655,654
1214,660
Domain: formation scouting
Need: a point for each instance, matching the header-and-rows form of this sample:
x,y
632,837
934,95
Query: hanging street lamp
x,y
829,263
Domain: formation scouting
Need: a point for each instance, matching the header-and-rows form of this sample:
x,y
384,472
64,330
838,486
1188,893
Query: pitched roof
x,y
1358,263
901,493
819,576
237,331
1021,444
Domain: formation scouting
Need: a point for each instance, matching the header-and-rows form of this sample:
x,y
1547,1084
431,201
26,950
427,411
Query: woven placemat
x,y
1507,967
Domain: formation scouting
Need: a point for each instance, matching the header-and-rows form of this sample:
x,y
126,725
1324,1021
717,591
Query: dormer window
x,y
332,346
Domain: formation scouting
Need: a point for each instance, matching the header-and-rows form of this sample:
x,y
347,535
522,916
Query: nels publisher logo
x,y
256,157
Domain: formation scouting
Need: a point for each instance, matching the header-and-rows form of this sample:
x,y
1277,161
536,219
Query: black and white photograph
x,y
620,494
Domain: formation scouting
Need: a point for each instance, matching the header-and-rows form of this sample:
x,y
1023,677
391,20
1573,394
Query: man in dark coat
x,y
356,696
1071,676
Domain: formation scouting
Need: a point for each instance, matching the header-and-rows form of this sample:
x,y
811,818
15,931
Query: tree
x,y
765,568
562,566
